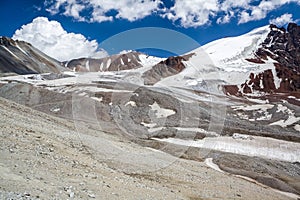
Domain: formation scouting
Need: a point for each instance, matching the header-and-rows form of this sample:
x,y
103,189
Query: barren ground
x,y
43,157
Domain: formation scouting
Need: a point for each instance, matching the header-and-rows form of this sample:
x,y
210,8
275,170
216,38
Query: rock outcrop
x,y
283,46
169,67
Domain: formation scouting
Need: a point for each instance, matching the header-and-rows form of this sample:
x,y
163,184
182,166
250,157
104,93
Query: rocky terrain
x,y
18,57
44,157
282,46
187,127
124,61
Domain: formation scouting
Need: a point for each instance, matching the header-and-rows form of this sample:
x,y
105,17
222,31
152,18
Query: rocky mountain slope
x,y
18,57
281,46
123,61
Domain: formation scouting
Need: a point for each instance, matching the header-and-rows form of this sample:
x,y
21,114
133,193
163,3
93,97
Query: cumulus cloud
x,y
187,13
282,20
261,10
126,9
52,39
192,13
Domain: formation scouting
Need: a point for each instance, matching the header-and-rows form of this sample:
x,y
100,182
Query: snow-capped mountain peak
x,y
229,53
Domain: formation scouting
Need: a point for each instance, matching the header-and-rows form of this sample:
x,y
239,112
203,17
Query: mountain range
x,y
235,100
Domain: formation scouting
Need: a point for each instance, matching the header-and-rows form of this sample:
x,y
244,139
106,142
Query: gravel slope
x,y
43,157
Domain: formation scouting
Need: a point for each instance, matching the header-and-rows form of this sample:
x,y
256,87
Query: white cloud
x,y
228,5
52,39
126,9
282,20
193,13
261,10
226,18
187,13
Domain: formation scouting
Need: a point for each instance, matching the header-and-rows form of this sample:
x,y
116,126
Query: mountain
x,y
18,57
232,101
123,61
270,62
283,46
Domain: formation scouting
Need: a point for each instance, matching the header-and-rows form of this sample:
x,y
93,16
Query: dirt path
x,y
43,157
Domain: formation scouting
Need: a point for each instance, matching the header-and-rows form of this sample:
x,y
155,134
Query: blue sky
x,y
199,22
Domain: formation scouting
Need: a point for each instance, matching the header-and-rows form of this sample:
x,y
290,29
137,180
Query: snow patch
x,y
200,130
55,110
264,107
209,162
284,123
161,112
131,103
259,101
108,63
87,65
258,110
97,99
149,61
9,51
21,50
297,127
148,125
291,119
277,80
259,146
101,67
238,136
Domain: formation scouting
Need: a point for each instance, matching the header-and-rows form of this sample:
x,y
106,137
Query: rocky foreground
x,y
44,157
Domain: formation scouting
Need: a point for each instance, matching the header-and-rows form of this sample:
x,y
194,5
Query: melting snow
x,y
98,99
291,119
209,162
259,146
148,125
10,52
264,107
297,127
55,110
87,65
149,61
284,123
259,109
259,101
131,103
21,50
200,130
161,112
101,67
238,136
108,63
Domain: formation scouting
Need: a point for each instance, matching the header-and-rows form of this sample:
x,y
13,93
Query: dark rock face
x,y
263,82
166,68
231,89
286,51
18,57
119,62
282,46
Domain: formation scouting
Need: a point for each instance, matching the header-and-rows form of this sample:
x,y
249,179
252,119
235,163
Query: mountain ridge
x,y
19,57
282,46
